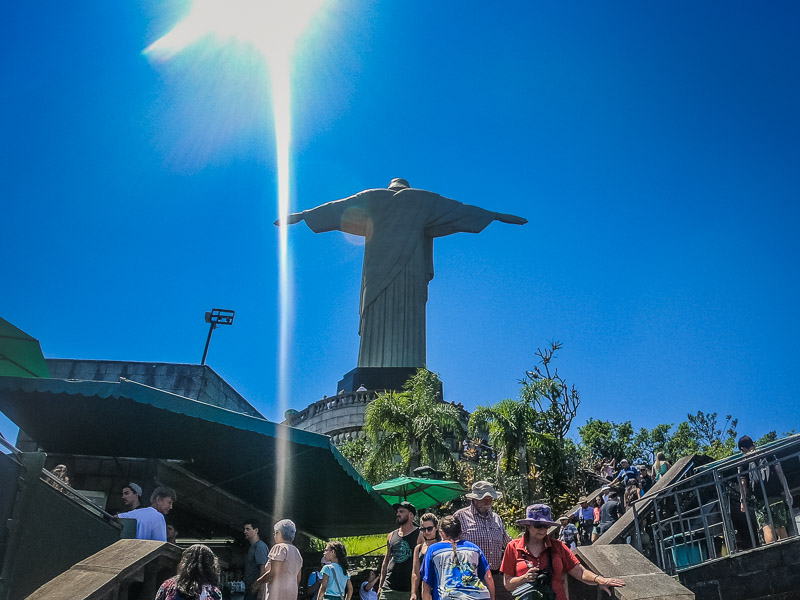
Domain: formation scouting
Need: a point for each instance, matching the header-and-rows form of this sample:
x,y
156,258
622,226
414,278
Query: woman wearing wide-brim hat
x,y
534,554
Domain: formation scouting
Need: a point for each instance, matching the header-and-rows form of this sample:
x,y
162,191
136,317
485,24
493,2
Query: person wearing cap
x,y
400,224
150,522
585,516
568,532
484,528
626,472
540,561
645,481
397,564
132,496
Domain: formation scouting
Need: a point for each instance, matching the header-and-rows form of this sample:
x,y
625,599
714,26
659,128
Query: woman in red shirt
x,y
534,554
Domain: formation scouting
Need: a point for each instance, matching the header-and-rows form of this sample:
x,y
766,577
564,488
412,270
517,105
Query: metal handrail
x,y
10,446
15,452
698,501
75,496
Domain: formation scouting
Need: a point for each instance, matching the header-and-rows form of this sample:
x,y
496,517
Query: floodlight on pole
x,y
217,316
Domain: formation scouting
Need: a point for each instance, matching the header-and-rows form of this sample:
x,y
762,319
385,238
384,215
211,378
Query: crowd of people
x,y
464,556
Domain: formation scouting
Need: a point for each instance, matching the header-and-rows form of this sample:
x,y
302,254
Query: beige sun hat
x,y
481,489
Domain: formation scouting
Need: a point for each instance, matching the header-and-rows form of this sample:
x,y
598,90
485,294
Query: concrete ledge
x,y
643,579
103,575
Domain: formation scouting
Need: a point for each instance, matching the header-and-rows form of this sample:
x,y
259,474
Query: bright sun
x,y
272,27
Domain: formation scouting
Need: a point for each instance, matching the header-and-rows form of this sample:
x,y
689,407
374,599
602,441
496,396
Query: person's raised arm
x,y
370,583
510,219
291,219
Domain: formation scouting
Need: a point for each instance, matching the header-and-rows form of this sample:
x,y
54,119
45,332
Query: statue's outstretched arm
x,y
291,219
511,219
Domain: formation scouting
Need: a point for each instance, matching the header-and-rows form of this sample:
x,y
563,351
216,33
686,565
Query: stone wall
x,y
771,571
198,382
341,416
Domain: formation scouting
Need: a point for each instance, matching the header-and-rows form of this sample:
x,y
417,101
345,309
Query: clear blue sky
x,y
652,146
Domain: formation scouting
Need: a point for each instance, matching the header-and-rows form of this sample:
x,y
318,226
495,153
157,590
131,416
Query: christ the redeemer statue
x,y
398,224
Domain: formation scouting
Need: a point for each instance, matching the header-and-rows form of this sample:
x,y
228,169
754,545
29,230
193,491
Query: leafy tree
x,y
511,425
706,430
682,443
549,395
647,442
556,405
412,424
767,438
606,439
357,453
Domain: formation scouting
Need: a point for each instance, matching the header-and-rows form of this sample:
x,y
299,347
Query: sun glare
x,y
272,27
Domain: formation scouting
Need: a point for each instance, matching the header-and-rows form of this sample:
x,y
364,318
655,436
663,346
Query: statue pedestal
x,y
375,378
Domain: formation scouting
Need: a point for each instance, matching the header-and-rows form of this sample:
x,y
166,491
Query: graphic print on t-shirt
x,y
401,551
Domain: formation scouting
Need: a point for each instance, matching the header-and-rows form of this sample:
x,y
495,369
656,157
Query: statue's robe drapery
x,y
399,227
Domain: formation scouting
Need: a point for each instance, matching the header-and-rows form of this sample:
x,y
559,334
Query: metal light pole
x,y
217,316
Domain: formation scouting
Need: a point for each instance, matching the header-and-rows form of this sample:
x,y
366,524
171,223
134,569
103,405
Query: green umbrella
x,y
20,354
422,493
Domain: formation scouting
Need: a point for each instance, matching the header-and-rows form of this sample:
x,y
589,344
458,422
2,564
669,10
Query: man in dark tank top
x,y
397,564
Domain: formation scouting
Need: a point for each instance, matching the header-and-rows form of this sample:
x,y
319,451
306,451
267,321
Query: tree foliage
x,y
534,458
412,425
512,431
549,395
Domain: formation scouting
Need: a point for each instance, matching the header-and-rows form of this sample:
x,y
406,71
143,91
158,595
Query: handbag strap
x,y
338,585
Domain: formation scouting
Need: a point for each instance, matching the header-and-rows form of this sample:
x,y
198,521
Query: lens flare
x,y
272,27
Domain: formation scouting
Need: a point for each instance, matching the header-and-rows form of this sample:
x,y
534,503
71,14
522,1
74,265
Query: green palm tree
x,y
412,424
513,427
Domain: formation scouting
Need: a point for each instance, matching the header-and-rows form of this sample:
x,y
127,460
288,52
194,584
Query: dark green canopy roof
x,y
322,493
20,354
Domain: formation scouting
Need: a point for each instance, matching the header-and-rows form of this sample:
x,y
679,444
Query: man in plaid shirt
x,y
484,528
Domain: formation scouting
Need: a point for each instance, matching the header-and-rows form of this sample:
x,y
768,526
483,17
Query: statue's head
x,y
398,184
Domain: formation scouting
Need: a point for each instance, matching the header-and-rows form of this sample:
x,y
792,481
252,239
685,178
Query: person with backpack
x,y
455,569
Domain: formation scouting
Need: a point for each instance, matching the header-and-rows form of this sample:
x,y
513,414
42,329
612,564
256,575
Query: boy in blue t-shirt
x,y
458,575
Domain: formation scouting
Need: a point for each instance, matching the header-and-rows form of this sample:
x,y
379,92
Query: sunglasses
x,y
427,528
539,526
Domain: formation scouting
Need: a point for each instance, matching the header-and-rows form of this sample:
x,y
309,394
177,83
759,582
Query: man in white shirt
x,y
150,522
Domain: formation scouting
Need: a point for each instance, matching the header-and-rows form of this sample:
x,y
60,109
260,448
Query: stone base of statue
x,y
375,378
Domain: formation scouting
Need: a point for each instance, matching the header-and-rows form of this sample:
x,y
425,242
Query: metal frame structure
x,y
691,519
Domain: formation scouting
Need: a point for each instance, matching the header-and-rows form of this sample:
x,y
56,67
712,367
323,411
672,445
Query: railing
x,y
332,403
75,496
695,520
11,447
